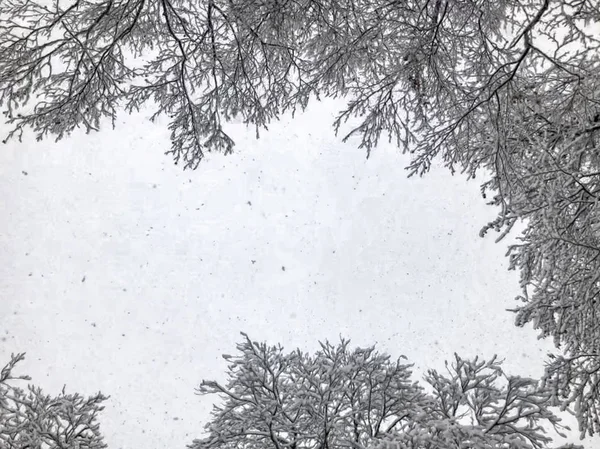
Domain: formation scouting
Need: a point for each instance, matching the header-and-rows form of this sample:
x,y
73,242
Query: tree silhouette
x,y
358,398
507,88
33,420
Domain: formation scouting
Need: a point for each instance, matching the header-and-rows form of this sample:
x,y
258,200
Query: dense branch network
x,y
359,398
33,420
507,88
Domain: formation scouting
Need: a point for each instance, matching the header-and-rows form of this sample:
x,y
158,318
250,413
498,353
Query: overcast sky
x,y
122,273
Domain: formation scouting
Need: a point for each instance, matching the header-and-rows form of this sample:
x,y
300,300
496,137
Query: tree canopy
x,y
339,397
34,420
507,88
359,398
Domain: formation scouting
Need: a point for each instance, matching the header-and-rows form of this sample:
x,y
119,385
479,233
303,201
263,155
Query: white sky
x,y
169,279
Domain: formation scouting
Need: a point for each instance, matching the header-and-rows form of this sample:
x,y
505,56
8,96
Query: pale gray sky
x,y
122,273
